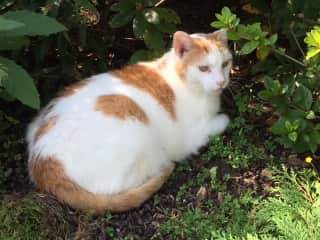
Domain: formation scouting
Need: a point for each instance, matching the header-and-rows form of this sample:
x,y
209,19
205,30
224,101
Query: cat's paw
x,y
218,124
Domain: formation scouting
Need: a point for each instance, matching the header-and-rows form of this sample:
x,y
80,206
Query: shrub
x,y
291,85
15,28
149,22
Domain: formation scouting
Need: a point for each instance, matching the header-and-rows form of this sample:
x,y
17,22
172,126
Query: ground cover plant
x,y
259,180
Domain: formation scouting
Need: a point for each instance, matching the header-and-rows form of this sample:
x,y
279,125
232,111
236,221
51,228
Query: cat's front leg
x,y
218,124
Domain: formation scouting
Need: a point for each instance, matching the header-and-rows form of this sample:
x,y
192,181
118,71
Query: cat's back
x,y
135,93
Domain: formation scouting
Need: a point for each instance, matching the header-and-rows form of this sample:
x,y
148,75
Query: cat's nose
x,y
221,83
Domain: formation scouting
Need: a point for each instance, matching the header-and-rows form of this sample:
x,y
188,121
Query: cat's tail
x,y
49,175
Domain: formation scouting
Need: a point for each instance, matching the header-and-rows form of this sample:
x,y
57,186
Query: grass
x,y
34,216
20,221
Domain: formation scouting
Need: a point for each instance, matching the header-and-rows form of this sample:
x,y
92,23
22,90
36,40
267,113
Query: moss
x,y
33,216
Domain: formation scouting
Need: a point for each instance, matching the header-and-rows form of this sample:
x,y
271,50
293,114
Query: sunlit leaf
x,y
249,47
293,136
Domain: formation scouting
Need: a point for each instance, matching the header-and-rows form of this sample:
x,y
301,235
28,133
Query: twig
x,y
297,42
160,2
289,57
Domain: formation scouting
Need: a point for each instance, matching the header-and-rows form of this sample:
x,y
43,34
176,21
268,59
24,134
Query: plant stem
x,y
160,2
289,57
297,42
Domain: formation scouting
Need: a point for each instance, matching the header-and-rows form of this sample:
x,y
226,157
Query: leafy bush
x,y
61,58
291,85
149,22
15,28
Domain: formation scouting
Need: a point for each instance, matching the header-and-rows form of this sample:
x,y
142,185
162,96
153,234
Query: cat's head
x,y
203,60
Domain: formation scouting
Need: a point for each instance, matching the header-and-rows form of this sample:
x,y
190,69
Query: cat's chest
x,y
195,108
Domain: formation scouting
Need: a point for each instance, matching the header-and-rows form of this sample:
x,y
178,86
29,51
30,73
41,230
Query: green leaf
x,y
154,39
218,24
252,32
263,52
279,127
312,52
315,137
310,115
273,39
226,19
6,96
313,41
8,25
166,27
150,3
292,126
6,3
19,84
3,74
167,15
13,43
121,19
313,37
265,94
313,147
233,36
303,97
123,6
226,12
249,47
289,126
268,82
151,16
143,55
34,24
139,26
293,136
316,106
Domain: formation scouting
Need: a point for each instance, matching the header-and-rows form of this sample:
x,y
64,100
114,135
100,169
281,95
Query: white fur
x,y
107,155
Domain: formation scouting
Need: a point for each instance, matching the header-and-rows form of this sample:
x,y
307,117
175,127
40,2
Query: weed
x,y
238,153
229,217
182,192
33,217
20,221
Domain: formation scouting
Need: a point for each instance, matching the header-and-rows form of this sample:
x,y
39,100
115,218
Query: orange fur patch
x,y
150,81
45,127
199,49
72,89
49,175
215,39
120,106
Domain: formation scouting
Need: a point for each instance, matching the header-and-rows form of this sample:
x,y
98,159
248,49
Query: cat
x,y
109,143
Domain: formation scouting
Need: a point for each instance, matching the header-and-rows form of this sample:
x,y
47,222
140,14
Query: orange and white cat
x,y
109,142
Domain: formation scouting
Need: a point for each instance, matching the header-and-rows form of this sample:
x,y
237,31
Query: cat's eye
x,y
204,68
226,63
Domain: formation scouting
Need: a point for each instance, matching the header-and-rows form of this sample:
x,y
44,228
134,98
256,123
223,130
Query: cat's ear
x,y
182,43
219,36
